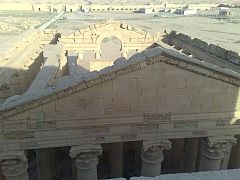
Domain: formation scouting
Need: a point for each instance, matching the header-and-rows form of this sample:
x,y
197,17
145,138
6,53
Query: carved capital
x,y
86,156
13,163
152,151
221,141
215,147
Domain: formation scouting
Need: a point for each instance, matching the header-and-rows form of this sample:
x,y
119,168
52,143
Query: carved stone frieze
x,y
100,130
185,124
200,133
222,122
157,118
144,127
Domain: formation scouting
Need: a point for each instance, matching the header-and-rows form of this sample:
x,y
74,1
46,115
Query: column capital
x,y
220,142
214,147
154,145
14,163
86,155
152,151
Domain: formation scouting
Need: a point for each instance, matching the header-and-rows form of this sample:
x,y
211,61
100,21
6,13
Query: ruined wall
x,y
179,40
90,38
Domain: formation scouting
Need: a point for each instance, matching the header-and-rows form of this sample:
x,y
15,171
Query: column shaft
x,y
74,170
86,160
46,163
212,152
190,154
1,174
116,160
226,157
97,55
234,162
152,157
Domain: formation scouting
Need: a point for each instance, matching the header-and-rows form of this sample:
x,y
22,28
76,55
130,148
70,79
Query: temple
x,y
166,103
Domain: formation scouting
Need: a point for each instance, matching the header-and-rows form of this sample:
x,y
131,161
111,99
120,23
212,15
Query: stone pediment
x,y
156,93
148,58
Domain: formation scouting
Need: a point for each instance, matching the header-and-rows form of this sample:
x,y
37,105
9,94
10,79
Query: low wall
x,y
175,38
232,174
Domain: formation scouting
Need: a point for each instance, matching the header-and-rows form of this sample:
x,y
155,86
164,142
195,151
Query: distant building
x,y
189,12
186,12
146,10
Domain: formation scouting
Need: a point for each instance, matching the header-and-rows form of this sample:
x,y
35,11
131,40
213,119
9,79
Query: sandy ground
x,y
13,23
225,33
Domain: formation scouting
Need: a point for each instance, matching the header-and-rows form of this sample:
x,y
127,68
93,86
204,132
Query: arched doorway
x,y
110,48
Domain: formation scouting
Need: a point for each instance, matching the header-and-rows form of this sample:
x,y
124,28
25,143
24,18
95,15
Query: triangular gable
x,y
148,59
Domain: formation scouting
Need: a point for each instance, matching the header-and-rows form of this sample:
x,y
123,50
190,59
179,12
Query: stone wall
x,y
152,95
90,37
179,40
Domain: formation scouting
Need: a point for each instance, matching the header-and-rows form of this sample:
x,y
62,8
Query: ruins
x,y
171,105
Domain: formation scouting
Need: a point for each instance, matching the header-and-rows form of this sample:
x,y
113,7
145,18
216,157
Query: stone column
x,y
1,174
152,157
234,162
86,160
116,160
80,55
226,157
14,165
97,55
212,152
46,163
74,169
190,154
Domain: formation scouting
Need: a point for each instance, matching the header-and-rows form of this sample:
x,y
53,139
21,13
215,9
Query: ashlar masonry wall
x,y
160,96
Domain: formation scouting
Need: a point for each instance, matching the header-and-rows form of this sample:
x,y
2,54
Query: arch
x,y
90,38
109,34
111,48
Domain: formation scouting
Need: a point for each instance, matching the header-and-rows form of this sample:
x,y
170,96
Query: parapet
x,y
175,38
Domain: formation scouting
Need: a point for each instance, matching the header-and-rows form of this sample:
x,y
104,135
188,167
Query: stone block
x,y
212,49
125,101
49,107
173,33
202,99
195,80
123,84
36,115
117,111
149,92
185,38
176,73
150,83
191,108
175,82
178,99
14,126
221,52
200,44
223,99
166,109
70,103
233,57
214,83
